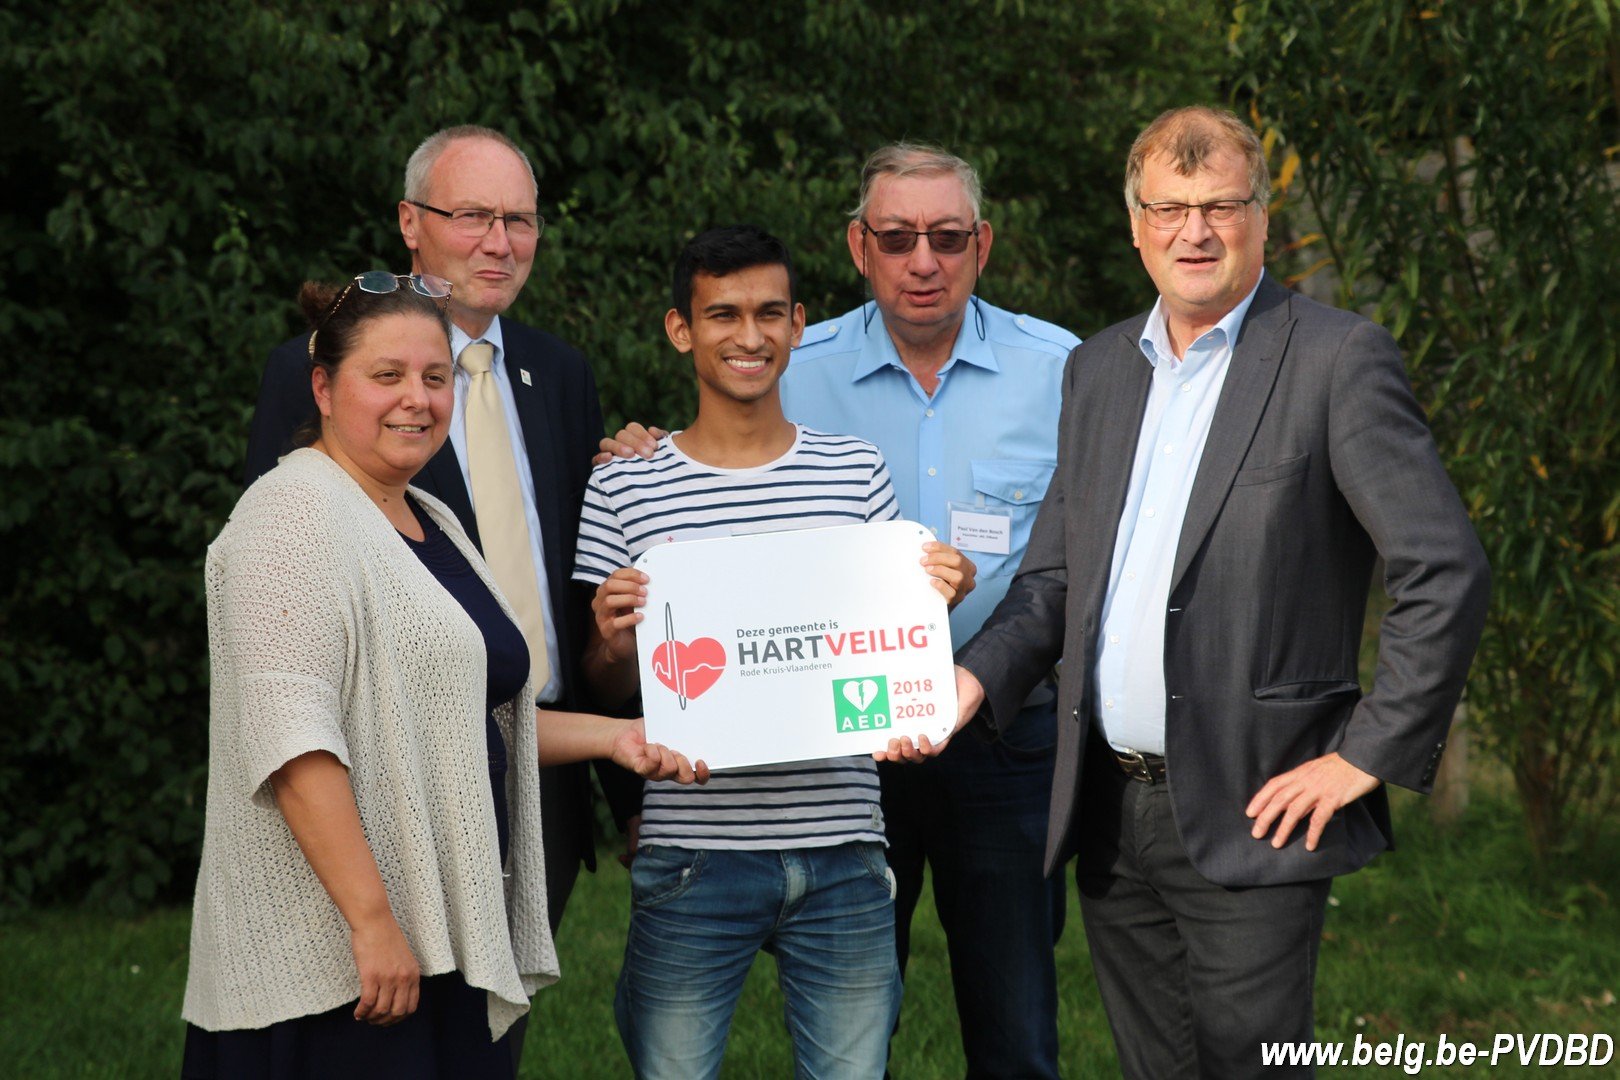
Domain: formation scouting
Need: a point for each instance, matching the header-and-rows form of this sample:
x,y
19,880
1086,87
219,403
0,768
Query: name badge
x,y
981,529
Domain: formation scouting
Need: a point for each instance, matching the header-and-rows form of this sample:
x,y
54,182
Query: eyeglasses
x,y
520,225
1219,214
940,241
381,283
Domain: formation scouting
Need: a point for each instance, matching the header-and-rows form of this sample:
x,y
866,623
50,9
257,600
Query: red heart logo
x,y
689,667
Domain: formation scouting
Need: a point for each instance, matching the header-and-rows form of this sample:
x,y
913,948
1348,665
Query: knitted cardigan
x,y
325,632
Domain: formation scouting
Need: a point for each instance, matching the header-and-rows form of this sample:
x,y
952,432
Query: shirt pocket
x,y
1015,487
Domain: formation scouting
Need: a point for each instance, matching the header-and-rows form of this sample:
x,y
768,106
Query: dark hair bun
x,y
316,297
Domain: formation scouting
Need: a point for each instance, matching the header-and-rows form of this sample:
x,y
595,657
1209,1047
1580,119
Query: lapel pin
x,y
524,374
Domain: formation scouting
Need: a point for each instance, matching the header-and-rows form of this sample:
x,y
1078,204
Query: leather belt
x,y
1147,768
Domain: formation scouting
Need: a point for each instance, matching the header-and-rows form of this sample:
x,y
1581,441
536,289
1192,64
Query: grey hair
x,y
420,166
903,159
1189,137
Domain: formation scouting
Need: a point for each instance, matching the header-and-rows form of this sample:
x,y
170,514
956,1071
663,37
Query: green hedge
x,y
175,170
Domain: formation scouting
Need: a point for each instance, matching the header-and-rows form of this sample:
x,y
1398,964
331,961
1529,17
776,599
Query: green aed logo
x,y
861,704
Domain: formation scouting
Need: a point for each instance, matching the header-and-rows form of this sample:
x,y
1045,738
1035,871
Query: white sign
x,y
791,646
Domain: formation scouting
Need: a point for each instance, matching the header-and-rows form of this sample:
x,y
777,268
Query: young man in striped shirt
x,y
787,858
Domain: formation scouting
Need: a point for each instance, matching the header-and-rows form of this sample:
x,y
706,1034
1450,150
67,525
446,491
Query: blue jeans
x,y
698,918
977,816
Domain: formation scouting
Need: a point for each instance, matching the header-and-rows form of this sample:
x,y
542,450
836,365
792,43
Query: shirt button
x,y
833,332
931,470
1109,704
1130,575
1018,495
1019,320
1148,512
1113,639
928,412
1186,388
1169,449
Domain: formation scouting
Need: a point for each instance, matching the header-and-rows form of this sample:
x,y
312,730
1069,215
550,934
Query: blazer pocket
x,y
1309,690
1269,474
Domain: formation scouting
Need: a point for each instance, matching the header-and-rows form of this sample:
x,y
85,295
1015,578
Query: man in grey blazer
x,y
1229,466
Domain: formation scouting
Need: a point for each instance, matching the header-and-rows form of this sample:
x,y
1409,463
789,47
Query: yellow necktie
x,y
498,505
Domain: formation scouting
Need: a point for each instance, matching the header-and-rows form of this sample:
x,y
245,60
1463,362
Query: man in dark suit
x,y
469,215
1229,466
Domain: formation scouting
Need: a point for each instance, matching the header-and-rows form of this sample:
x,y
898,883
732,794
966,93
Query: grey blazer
x,y
1318,460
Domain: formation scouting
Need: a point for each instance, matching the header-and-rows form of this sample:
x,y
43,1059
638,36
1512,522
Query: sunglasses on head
x,y
903,241
380,283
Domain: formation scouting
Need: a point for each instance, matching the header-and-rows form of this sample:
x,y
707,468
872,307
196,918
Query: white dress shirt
x,y
1180,406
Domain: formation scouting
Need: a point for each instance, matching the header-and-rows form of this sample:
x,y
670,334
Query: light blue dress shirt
x,y
1180,406
525,475
986,439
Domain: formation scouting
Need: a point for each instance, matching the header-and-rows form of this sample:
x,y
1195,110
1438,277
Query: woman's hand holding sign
x,y
571,736
654,761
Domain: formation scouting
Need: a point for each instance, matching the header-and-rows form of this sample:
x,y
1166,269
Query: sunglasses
x,y
903,241
381,283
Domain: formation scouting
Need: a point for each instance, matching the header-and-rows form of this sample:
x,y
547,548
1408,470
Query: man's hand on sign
x,y
969,697
952,571
614,607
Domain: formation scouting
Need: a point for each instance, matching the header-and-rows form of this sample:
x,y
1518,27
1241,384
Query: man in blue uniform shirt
x,y
962,397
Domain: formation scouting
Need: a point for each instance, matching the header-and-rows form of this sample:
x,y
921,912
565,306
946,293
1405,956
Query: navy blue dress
x,y
448,1035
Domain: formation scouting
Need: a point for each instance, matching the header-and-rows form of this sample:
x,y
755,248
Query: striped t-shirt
x,y
633,504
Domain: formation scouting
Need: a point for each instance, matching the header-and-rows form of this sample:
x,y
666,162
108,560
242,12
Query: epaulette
x,y
1053,338
830,334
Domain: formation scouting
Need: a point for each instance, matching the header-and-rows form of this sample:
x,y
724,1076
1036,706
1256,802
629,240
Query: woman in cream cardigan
x,y
371,899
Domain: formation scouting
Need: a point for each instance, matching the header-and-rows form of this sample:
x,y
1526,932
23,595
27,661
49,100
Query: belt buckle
x,y
1134,765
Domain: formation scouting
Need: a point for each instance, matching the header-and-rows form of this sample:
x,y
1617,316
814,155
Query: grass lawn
x,y
1456,933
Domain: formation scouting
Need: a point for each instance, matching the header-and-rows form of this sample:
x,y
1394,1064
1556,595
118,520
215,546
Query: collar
x,y
878,351
459,340
1155,340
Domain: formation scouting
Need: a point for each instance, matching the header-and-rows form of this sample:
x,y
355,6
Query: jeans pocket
x,y
877,866
660,874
